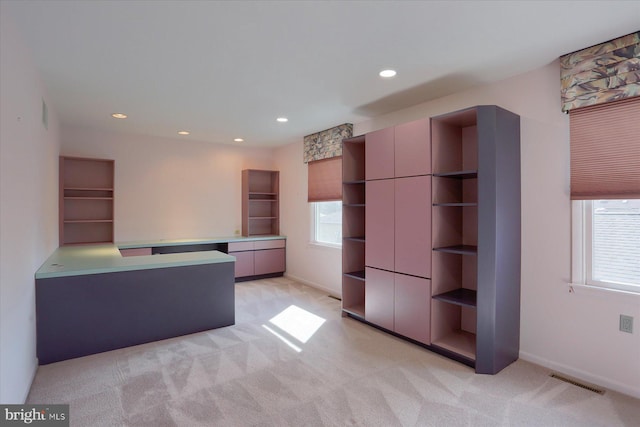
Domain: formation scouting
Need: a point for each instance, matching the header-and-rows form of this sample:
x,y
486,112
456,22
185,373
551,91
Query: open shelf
x,y
468,196
460,342
455,204
453,327
466,174
353,295
85,232
80,221
353,215
86,195
260,202
359,275
459,249
461,296
356,310
353,160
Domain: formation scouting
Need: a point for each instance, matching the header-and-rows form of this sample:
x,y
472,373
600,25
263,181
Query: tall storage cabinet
x,y
398,229
434,253
260,202
85,203
476,236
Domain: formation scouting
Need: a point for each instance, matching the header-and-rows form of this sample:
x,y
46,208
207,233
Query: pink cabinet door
x,y
244,264
378,297
412,148
269,261
379,154
379,229
412,225
412,307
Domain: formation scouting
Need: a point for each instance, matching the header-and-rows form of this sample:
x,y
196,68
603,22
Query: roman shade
x,y
325,180
603,73
323,153
605,151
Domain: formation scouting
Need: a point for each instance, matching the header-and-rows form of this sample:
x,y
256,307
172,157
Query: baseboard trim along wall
x,y
34,370
582,375
331,292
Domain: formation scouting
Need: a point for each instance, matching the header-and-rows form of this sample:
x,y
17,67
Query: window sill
x,y
581,287
325,245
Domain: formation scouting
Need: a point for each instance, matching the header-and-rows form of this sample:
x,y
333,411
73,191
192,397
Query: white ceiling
x,y
227,69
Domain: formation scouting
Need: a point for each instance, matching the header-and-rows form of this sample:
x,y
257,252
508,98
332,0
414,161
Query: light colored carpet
x,y
345,374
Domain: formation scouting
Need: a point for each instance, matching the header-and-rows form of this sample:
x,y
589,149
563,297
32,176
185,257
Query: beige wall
x,y
170,188
319,266
28,207
575,333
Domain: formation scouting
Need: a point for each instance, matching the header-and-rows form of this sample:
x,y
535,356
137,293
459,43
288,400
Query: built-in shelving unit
x,y
86,196
260,202
431,234
475,293
353,236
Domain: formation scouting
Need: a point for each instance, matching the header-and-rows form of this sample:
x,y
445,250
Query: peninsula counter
x,y
91,299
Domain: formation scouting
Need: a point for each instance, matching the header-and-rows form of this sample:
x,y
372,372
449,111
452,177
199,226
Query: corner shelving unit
x,y
475,292
353,214
260,202
85,200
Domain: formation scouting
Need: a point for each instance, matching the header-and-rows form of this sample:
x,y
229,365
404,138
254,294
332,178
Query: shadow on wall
x,y
419,94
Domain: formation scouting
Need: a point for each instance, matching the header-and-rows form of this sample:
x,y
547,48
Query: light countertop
x,y
174,242
106,258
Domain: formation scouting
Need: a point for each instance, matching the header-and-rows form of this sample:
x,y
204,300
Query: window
x,y
611,242
327,222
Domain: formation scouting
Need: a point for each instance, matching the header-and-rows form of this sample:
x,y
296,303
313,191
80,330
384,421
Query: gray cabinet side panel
x,y
81,315
487,203
507,331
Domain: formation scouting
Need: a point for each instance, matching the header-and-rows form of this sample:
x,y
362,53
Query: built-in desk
x,y
257,257
91,299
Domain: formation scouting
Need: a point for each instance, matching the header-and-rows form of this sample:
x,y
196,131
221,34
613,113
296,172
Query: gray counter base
x,y
87,314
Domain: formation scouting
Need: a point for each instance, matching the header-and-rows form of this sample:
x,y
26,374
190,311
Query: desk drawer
x,y
269,244
241,246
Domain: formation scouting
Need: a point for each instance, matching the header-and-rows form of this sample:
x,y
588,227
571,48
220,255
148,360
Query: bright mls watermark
x,y
34,415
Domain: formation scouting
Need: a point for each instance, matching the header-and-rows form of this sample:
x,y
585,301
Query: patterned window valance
x,y
326,144
607,72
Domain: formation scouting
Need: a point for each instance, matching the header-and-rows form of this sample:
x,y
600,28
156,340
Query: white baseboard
x,y
331,292
582,375
34,370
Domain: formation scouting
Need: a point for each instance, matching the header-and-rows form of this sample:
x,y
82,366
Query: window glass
x,y
615,242
327,222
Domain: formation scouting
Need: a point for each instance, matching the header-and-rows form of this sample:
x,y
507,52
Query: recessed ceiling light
x,y
119,116
387,73
282,119
183,132
238,140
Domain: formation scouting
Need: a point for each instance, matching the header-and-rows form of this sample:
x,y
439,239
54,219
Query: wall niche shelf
x,y
260,202
86,197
